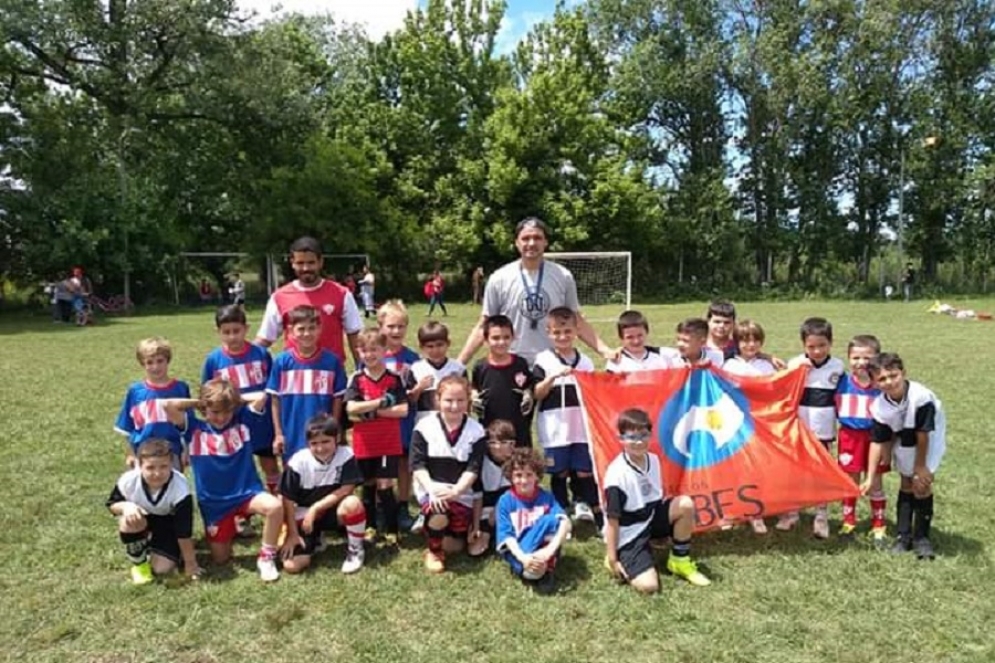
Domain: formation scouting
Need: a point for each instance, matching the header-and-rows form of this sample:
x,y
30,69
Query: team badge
x,y
705,422
834,378
328,309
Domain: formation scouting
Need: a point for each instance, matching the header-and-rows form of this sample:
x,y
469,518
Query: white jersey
x,y
561,419
712,356
446,458
637,491
653,359
818,404
526,297
132,488
919,411
423,368
749,367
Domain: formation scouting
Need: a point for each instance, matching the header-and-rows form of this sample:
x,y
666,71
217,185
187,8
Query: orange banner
x,y
735,444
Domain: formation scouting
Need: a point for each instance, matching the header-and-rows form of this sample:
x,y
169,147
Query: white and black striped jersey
x,y
561,419
446,455
712,356
919,411
757,366
424,368
307,480
632,494
653,359
173,499
818,404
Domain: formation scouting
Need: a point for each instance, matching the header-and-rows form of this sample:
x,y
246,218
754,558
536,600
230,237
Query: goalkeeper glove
x,y
527,402
387,400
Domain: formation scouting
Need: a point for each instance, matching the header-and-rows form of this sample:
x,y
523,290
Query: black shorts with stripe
x,y
636,556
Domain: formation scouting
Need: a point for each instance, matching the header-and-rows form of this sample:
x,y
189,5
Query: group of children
x,y
476,482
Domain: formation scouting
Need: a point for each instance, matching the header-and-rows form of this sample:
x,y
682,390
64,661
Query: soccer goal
x,y
604,278
334,265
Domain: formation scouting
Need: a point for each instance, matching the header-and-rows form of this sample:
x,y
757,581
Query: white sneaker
x,y
353,560
419,525
787,522
583,513
267,570
820,526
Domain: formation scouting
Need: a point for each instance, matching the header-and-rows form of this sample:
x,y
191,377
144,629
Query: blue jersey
x,y
853,403
143,415
248,370
305,387
400,362
516,515
224,472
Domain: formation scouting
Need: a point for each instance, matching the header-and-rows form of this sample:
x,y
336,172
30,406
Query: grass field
x,y
784,597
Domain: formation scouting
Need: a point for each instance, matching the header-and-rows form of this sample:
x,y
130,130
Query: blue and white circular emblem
x,y
705,422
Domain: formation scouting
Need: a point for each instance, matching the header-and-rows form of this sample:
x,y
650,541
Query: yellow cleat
x,y
683,567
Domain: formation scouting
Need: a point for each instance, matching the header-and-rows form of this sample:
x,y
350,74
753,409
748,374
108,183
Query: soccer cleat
x,y
354,559
435,562
923,549
404,520
583,513
902,545
847,531
683,567
787,522
820,526
141,574
371,535
879,536
759,526
418,526
390,540
267,569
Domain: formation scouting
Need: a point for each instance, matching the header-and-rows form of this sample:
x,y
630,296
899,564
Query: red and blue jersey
x,y
399,362
517,514
249,371
853,403
224,472
306,386
143,415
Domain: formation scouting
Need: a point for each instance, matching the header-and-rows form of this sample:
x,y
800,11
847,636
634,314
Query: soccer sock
x,y
355,528
136,546
904,513
850,511
387,503
558,486
434,537
586,490
879,505
485,527
266,551
922,507
681,548
370,501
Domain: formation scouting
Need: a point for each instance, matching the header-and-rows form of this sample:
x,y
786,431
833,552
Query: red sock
x,y
879,505
850,511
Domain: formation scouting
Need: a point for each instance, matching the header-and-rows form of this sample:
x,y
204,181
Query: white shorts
x,y
904,458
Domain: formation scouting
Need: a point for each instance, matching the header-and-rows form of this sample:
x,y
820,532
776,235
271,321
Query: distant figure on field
x,y
478,284
908,280
436,286
367,286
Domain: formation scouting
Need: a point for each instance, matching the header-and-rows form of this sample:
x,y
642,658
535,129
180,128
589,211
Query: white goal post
x,y
603,277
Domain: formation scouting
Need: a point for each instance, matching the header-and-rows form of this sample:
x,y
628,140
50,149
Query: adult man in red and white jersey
x,y
335,304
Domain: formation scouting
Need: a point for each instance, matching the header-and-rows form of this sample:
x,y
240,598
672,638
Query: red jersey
x,y
336,309
381,436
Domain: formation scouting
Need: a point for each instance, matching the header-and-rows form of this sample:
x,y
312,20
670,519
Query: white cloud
x,y
378,16
513,29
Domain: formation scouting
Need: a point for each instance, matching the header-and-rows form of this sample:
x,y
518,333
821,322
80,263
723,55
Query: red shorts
x,y
459,516
854,447
224,530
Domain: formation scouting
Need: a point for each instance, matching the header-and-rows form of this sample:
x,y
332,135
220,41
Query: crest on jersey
x,y
328,309
704,422
834,378
521,379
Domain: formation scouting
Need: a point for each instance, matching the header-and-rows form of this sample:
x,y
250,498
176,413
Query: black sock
x,y
903,509
586,490
388,507
136,546
681,548
370,504
558,486
922,507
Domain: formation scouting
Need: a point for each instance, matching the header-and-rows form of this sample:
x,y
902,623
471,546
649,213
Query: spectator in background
x,y
237,290
478,283
908,280
206,291
436,286
367,287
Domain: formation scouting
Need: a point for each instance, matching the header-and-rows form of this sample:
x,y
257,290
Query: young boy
x,y
247,366
425,374
446,455
531,526
636,355
502,381
317,489
155,515
561,426
721,318
142,415
692,339
490,486
225,477
818,403
637,511
376,402
305,380
392,318
909,418
854,395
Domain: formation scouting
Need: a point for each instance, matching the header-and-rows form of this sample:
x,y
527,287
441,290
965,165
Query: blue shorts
x,y
575,458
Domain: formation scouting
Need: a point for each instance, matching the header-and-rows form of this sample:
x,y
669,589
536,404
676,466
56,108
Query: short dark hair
x,y
721,307
321,425
501,429
306,245
499,321
693,326
868,341
817,327
632,318
633,419
229,314
153,448
747,328
301,314
886,361
522,458
532,222
562,314
433,331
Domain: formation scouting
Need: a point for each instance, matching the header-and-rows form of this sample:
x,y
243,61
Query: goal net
x,y
337,266
603,278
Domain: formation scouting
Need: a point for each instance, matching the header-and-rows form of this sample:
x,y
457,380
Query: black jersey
x,y
502,389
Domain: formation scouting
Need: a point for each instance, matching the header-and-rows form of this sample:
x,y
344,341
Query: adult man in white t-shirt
x,y
526,290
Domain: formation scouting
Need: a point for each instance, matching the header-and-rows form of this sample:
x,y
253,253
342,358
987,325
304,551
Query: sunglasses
x,y
640,436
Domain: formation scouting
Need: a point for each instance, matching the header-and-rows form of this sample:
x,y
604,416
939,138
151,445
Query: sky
x,y
382,16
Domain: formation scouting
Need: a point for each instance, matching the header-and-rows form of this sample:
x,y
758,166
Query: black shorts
x,y
328,522
381,467
491,497
162,537
637,555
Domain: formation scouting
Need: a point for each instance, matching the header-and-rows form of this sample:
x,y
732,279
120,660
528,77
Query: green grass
x,y
785,597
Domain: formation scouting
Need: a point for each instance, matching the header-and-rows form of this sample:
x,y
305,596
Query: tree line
x,y
790,146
